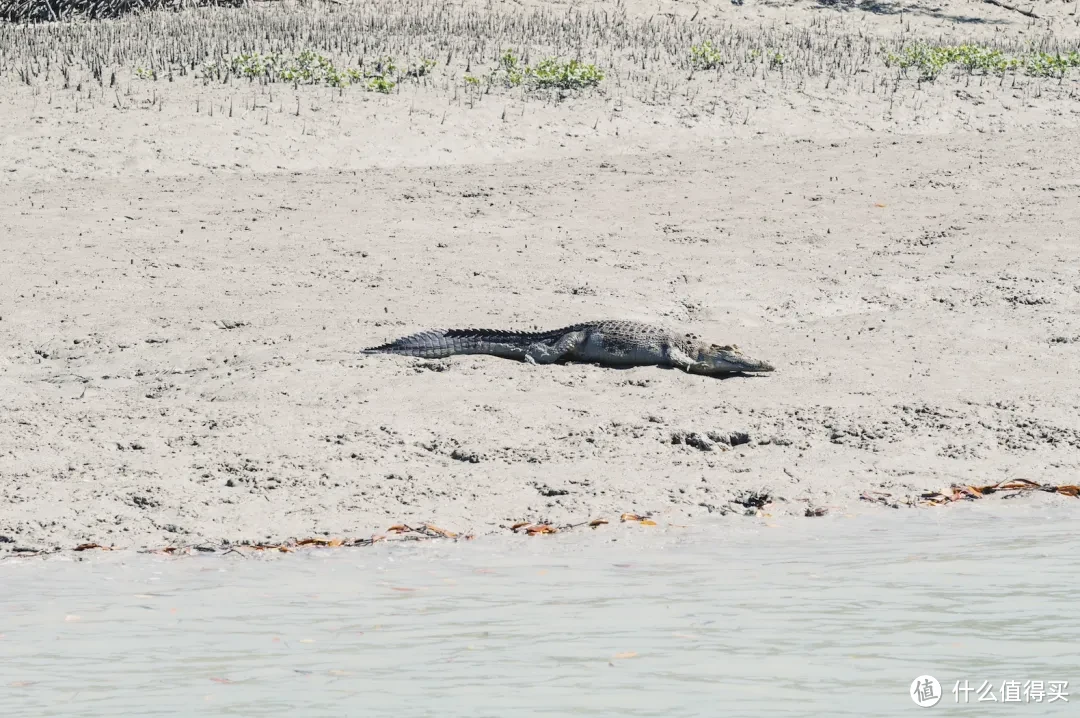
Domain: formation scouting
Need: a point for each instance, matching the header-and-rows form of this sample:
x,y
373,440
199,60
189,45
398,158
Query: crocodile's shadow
x,y
718,375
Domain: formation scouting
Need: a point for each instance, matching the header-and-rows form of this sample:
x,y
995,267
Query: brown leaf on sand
x,y
597,522
541,529
398,528
518,525
640,519
1027,485
1014,484
441,532
329,543
87,546
970,493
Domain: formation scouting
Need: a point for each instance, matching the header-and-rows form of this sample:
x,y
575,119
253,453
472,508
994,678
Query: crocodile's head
x,y
714,358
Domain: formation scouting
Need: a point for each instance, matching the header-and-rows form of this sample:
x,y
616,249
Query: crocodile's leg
x,y
540,353
680,359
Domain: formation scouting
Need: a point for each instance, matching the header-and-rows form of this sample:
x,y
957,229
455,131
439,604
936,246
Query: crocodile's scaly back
x,y
606,342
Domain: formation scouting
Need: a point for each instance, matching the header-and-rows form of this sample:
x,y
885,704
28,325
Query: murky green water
x,y
831,616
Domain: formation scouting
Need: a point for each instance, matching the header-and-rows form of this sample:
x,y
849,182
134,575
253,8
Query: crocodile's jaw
x,y
730,360
749,365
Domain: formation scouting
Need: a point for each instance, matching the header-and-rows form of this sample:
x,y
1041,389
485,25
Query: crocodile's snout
x,y
730,359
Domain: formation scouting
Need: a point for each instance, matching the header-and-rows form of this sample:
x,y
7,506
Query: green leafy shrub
x,y
571,75
705,56
548,73
931,60
311,68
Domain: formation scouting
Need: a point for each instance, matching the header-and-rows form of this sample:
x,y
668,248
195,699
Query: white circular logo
x,y
925,691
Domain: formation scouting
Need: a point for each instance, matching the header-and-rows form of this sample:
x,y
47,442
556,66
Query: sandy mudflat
x,y
185,294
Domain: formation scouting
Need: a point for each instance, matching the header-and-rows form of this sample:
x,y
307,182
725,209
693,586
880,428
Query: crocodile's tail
x,y
442,343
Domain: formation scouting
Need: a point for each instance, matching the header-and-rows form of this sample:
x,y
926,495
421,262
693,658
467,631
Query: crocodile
x,y
610,342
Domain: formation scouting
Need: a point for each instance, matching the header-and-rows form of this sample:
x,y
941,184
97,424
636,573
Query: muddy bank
x,y
179,337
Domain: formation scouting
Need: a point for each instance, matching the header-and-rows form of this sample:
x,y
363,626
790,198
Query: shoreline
x,y
766,514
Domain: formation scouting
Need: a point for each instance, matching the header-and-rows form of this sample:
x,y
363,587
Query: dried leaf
x,y
85,546
648,522
541,529
1016,484
518,525
319,541
398,528
630,517
597,522
441,532
1070,490
878,204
